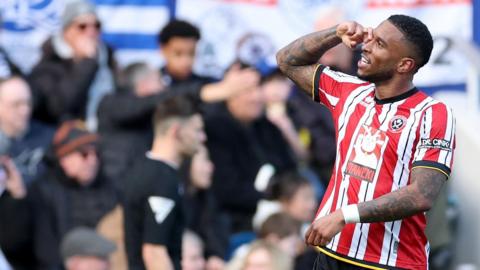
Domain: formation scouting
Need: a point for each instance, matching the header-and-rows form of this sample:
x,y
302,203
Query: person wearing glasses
x,y
76,69
73,192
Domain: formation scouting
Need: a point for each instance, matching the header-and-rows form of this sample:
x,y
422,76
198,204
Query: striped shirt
x,y
378,144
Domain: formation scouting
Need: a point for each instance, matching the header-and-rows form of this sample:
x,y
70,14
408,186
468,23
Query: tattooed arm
x,y
415,198
299,59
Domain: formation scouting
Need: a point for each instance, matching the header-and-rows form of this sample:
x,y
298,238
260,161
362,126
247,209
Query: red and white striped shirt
x,y
378,144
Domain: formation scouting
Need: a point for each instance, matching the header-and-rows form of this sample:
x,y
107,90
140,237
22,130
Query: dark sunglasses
x,y
83,26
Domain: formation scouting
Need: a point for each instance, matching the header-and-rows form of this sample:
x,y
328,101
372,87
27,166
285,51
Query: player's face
x,y
381,55
179,54
191,135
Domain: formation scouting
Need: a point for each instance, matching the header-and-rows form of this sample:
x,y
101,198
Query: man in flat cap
x,y
84,249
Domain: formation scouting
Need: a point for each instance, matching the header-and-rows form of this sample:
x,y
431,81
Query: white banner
x,y
260,27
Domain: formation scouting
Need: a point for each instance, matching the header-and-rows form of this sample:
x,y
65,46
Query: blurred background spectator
x,y
262,255
23,143
76,69
245,148
192,252
201,210
72,192
83,249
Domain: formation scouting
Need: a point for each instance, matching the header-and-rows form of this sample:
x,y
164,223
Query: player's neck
x,y
392,88
164,150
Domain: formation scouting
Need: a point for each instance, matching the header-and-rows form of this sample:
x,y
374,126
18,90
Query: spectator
x,y
192,252
276,89
76,69
178,42
292,194
83,249
141,92
22,144
202,215
21,138
280,230
308,127
73,192
261,255
283,231
154,220
288,192
137,98
243,145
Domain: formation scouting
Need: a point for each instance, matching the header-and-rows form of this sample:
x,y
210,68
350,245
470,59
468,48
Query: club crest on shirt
x,y
397,123
365,159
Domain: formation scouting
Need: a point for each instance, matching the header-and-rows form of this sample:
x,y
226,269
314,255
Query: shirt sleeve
x,y
436,144
161,210
329,86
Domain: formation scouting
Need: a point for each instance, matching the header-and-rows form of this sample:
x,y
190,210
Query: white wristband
x,y
351,214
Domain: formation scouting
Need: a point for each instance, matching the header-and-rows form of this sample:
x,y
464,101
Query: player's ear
x,y
174,129
406,65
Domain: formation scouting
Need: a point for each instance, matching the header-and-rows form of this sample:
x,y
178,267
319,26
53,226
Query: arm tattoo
x,y
297,60
417,197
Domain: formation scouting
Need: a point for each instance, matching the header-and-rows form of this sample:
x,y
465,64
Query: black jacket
x,y
238,152
59,205
60,86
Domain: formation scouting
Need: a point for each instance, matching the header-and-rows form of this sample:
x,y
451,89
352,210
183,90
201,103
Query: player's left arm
x,y
415,198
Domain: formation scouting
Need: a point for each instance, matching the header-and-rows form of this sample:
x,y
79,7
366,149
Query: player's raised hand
x,y
353,33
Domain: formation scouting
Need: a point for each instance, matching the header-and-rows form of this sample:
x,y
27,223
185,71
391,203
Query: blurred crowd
x,y
80,185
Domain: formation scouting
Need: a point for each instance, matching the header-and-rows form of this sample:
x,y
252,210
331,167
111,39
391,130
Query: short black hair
x,y
176,106
178,28
417,34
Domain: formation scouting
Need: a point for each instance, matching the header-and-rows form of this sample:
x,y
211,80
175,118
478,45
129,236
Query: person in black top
x,y
246,149
72,192
154,218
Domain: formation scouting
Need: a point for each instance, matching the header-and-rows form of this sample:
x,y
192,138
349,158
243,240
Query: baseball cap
x,y
83,241
74,9
72,136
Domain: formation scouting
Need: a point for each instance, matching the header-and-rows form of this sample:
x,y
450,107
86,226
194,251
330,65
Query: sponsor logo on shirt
x,y
435,143
366,157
